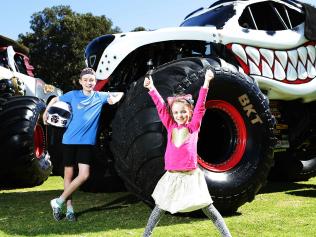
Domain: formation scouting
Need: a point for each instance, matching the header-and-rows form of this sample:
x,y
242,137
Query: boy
x,y
80,136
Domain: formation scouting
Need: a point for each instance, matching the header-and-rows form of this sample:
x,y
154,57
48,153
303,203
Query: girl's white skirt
x,y
182,191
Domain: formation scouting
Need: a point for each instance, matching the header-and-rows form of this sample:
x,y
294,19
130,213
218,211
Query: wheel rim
x,y
223,137
39,146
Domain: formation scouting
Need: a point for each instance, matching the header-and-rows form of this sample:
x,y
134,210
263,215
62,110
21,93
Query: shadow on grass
x,y
29,214
303,193
297,189
119,203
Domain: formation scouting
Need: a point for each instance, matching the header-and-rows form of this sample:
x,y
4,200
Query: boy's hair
x,y
87,71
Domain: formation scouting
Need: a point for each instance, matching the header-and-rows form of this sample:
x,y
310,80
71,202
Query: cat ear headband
x,y
187,97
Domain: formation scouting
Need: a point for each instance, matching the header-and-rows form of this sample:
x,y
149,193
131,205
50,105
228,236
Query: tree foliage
x,y
139,28
58,41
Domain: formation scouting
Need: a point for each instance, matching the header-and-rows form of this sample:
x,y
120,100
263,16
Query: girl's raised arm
x,y
199,109
162,109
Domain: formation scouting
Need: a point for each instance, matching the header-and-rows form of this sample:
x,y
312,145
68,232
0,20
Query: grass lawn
x,y
281,209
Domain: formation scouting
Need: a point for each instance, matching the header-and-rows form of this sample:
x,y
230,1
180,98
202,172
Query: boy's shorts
x,y
75,154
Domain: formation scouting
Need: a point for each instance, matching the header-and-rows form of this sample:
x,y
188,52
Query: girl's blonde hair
x,y
186,99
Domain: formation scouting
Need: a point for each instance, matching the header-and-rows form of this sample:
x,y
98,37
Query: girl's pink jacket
x,y
181,157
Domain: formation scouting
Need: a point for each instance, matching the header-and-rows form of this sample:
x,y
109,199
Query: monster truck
x,y
260,106
24,158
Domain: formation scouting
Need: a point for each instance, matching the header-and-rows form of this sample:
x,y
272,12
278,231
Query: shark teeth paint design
x,y
291,73
289,66
279,72
311,52
282,56
254,70
240,52
268,55
266,70
293,55
302,52
254,54
311,71
302,73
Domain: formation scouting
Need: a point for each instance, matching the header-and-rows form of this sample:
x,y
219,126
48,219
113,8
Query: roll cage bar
x,y
280,13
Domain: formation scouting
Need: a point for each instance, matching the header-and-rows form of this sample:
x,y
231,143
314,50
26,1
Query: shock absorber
x,y
281,128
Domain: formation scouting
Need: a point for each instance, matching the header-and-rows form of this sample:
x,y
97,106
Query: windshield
x,y
216,17
270,16
3,59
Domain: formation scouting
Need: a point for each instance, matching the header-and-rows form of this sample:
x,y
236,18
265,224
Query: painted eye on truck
x,y
92,60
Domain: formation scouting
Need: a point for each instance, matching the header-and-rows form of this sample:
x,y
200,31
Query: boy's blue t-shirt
x,y
86,111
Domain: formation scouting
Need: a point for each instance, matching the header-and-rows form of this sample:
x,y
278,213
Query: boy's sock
x,y
70,209
57,205
70,214
60,201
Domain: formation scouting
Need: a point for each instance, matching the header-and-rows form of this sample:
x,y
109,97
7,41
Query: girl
x,y
183,187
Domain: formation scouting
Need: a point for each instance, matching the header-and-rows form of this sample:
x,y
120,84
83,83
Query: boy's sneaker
x,y
70,216
57,214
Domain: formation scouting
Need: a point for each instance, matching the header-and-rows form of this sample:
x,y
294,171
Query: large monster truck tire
x,y
103,176
22,143
54,146
294,166
235,145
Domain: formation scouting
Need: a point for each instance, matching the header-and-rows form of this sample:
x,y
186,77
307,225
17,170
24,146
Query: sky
x,y
126,14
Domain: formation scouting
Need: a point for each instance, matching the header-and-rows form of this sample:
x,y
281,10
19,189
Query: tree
x,y
139,28
58,41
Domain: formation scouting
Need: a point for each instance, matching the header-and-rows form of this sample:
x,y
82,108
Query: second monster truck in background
x,y
23,98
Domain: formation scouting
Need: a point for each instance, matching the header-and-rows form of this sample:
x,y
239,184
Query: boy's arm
x,y
114,97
